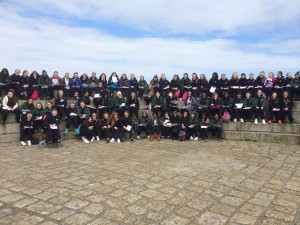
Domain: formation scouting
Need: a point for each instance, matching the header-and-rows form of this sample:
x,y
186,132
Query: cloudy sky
x,y
150,37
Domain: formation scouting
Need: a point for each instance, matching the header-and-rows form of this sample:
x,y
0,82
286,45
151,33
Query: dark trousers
x,y
105,133
5,113
68,92
37,124
192,131
124,131
45,92
260,112
142,128
53,133
284,113
17,88
166,131
217,131
155,129
72,120
247,114
237,113
116,133
26,132
133,110
4,88
204,133
274,113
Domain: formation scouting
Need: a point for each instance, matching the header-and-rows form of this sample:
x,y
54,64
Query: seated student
x,y
247,107
274,109
52,122
171,102
56,83
4,81
259,104
234,84
269,84
127,126
10,104
15,83
296,87
105,104
27,106
175,120
227,104
280,84
26,128
75,83
142,87
133,105
105,126
224,85
251,84
286,107
86,130
237,110
87,100
37,115
44,85
164,85
71,117
98,95
166,126
113,83
148,96
155,125
193,126
133,84
157,104
25,85
33,84
85,83
66,85
216,104
143,125
203,105
175,86
190,102
61,104
185,85
194,85
47,110
96,127
204,125
184,123
82,112
116,125
124,85
94,81
119,103
216,125
243,84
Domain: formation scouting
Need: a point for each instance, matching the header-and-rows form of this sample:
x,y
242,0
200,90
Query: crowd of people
x,y
100,108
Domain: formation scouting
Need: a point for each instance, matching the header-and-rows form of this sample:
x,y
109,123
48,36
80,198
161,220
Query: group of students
x,y
98,108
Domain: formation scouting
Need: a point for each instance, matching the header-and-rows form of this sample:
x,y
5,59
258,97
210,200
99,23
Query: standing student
x,y
286,107
155,125
116,125
216,125
166,126
26,128
86,130
52,122
274,109
105,126
82,112
133,105
237,106
71,117
193,126
10,104
96,122
127,126
259,104
143,124
61,104
247,107
204,125
37,115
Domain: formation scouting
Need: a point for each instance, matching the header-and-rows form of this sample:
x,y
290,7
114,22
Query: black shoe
x,y
122,140
107,140
131,139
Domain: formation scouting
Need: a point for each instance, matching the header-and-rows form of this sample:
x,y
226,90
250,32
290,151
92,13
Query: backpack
x,y
226,116
182,135
77,130
35,95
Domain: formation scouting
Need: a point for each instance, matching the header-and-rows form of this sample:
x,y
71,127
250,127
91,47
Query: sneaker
x,y
112,140
263,122
66,131
148,137
97,138
151,138
196,138
220,139
131,139
205,140
270,121
191,138
85,140
279,122
122,140
242,121
118,140
107,140
158,137
234,120
23,143
138,137
93,138
255,121
29,142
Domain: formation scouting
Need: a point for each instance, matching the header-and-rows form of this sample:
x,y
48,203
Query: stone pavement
x,y
146,182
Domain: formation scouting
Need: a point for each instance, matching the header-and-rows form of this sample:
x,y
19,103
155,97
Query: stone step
x,y
262,137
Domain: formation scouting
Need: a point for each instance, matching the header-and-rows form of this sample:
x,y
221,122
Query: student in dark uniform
x,y
127,126
274,109
10,104
71,117
286,107
26,128
116,124
143,124
53,121
105,126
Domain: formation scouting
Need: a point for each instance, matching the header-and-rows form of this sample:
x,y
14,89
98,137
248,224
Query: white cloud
x,y
40,43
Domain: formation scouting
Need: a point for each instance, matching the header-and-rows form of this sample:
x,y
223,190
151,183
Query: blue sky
x,y
151,37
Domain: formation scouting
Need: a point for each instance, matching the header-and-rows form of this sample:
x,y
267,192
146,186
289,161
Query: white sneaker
x,y
112,140
148,137
138,137
196,138
92,139
234,120
97,138
263,122
242,121
23,143
191,138
85,140
255,121
29,142
118,140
